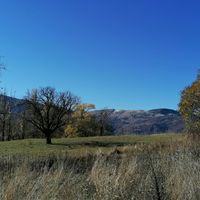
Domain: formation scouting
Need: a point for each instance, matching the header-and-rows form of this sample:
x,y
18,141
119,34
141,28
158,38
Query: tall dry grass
x,y
133,172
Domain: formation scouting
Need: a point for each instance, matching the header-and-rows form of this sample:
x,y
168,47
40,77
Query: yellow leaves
x,y
70,130
86,107
81,120
189,107
82,110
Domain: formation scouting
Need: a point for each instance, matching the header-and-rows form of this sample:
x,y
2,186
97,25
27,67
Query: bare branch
x,y
49,110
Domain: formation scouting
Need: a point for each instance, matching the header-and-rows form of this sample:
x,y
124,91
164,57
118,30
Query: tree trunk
x,y
23,135
3,131
101,131
9,137
48,139
9,128
23,131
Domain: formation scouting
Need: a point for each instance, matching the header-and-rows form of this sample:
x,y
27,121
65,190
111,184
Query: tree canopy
x,y
189,107
50,110
82,122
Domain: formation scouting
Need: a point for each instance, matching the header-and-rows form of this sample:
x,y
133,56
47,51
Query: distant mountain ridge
x,y
15,103
131,121
146,122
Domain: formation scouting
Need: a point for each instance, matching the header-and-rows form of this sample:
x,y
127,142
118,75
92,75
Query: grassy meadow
x,y
165,166
82,145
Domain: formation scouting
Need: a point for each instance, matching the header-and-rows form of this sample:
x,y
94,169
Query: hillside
x,y
145,122
133,121
15,104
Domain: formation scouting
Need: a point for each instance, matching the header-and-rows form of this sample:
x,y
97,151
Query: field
x,y
96,168
82,145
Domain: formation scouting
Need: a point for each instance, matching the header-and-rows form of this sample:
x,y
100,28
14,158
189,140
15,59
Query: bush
x,y
189,107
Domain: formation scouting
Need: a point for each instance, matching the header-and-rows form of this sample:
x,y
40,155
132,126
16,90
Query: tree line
x,y
51,113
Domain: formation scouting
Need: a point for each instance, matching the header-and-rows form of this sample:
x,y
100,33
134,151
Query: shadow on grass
x,y
94,144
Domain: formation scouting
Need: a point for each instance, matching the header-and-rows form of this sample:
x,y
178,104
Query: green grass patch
x,y
80,146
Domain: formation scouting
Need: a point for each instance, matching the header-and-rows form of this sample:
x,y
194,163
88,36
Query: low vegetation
x,y
82,145
110,168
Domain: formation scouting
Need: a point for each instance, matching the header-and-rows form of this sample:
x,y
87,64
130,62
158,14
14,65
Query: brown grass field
x,y
96,168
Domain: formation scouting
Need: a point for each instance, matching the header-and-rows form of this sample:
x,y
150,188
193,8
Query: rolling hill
x,y
145,122
138,122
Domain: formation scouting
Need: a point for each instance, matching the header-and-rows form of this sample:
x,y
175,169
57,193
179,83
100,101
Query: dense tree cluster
x,y
51,113
82,122
86,123
47,111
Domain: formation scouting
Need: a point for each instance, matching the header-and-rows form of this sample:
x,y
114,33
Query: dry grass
x,y
140,171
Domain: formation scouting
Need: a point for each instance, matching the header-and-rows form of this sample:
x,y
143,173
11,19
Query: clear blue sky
x,y
123,54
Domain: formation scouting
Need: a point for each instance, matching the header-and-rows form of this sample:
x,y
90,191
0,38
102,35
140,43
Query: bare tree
x,y
4,106
103,117
23,124
5,113
49,110
2,65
